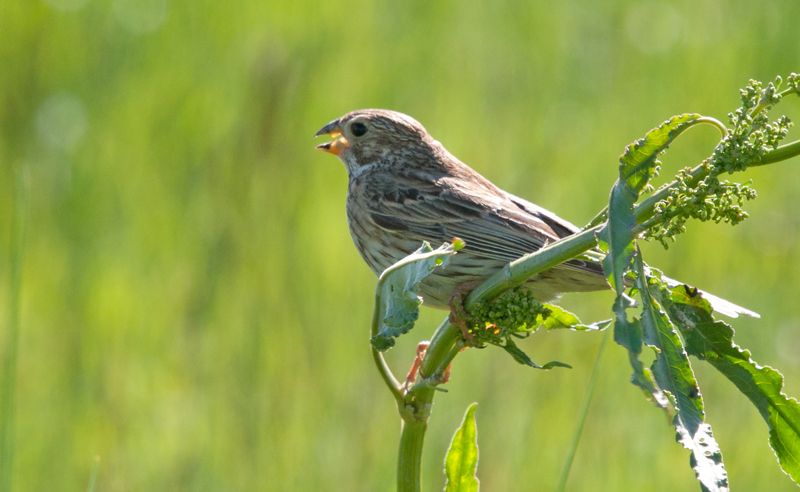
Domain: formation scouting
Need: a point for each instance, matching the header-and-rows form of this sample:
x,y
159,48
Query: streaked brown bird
x,y
405,188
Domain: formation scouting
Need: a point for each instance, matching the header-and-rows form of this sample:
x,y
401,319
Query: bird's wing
x,y
488,220
562,227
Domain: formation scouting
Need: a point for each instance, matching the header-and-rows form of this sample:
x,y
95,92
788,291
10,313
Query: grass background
x,y
194,315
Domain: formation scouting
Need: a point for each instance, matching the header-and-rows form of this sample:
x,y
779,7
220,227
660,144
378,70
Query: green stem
x,y
377,356
444,345
587,401
644,210
762,105
723,130
520,270
409,462
780,154
440,351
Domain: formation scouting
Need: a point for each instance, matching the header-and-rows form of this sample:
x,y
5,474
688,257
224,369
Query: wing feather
x,y
495,225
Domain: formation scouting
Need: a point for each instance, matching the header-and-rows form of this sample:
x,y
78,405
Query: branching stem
x,y
415,404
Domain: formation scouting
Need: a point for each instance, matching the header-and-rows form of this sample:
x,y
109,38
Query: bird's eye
x,y
358,129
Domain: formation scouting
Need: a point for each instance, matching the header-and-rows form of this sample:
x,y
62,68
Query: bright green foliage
x,y
639,163
749,138
675,379
712,340
397,302
669,382
637,166
516,313
699,194
461,462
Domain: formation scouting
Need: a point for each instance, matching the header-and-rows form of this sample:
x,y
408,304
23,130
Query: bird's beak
x,y
339,143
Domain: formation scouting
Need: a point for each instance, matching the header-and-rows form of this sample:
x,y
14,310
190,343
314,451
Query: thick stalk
x,y
409,461
781,153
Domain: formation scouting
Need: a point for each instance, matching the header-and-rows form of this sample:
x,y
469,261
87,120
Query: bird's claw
x,y
413,371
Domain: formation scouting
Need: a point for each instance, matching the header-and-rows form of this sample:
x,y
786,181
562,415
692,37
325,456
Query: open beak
x,y
339,143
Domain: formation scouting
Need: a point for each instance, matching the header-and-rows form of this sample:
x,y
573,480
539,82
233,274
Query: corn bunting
x,y
405,188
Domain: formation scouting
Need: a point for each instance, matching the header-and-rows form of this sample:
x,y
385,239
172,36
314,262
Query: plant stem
x,y
562,482
781,153
439,353
409,462
377,356
520,270
416,403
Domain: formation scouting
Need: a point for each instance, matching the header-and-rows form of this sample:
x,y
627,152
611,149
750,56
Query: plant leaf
x,y
627,332
712,340
637,165
396,293
561,318
673,374
461,462
523,358
618,235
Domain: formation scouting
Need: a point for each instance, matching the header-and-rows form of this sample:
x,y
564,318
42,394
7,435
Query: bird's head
x,y
368,136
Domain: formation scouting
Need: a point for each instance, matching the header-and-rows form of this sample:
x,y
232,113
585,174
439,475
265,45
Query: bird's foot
x,y
413,371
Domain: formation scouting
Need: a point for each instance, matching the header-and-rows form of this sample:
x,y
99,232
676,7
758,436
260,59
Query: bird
x,y
406,188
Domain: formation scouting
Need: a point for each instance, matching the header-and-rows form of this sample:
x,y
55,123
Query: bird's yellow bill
x,y
339,142
336,146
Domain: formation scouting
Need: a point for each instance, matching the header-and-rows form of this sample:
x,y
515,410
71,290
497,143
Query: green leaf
x,y
712,340
461,462
638,164
618,235
523,358
560,318
628,333
396,293
674,376
557,318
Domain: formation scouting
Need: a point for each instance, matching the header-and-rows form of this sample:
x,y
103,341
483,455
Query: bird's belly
x,y
381,249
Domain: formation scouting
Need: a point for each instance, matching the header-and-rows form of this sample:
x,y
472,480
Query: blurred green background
x,y
194,315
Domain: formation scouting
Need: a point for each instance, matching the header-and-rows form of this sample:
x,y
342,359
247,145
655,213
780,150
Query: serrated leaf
x,y
712,340
628,333
396,292
637,166
638,163
520,356
461,461
674,375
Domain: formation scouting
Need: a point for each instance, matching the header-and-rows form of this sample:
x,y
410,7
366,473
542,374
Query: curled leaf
x,y
396,296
